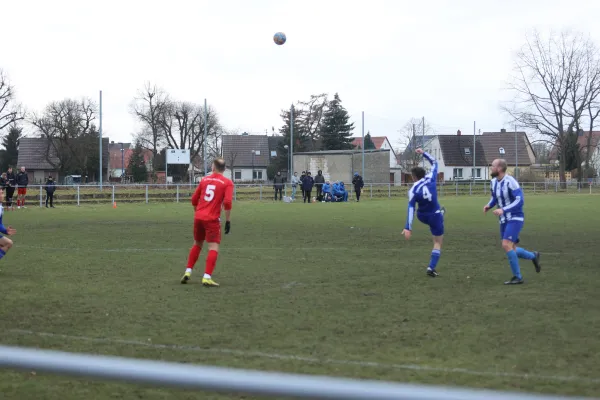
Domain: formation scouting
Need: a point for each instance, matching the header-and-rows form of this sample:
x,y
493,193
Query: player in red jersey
x,y
213,193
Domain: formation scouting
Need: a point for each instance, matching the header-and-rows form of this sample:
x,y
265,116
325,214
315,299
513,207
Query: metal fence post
x,y
456,187
389,190
177,186
234,192
146,194
41,196
113,194
78,195
371,190
470,188
260,192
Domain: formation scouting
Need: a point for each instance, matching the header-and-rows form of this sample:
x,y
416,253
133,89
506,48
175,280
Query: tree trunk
x,y
561,167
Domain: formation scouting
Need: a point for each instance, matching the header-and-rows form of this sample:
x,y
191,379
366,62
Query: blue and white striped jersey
x,y
423,193
2,227
507,195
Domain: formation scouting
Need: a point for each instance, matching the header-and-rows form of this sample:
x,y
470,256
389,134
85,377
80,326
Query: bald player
x,y
507,196
215,192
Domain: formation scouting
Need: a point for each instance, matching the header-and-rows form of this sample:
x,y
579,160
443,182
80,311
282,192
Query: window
x,y
237,175
501,150
257,152
467,150
273,153
476,173
458,173
258,175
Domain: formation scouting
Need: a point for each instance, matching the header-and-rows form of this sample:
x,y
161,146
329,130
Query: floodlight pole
x,y
291,153
100,132
205,136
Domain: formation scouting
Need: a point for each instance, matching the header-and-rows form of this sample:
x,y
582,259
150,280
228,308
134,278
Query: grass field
x,y
308,288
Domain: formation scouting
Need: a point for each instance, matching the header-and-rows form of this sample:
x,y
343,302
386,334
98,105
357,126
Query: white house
x,y
455,154
246,156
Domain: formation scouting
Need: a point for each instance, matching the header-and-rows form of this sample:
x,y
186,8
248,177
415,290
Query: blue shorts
x,y
434,221
511,230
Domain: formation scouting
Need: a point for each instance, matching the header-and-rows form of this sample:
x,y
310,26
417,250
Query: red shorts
x,y
22,191
209,231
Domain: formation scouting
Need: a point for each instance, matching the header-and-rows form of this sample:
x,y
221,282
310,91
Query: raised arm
x,y
434,164
515,189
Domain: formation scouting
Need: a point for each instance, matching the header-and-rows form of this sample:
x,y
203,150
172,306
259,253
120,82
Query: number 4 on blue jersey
x,y
424,194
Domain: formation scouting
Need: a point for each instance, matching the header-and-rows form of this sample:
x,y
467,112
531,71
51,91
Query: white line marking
x,y
263,249
286,357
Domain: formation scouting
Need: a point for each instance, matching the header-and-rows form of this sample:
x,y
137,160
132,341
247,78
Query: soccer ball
x,y
279,38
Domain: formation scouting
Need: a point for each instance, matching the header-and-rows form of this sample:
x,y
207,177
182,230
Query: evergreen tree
x,y
301,138
137,165
369,145
336,132
10,155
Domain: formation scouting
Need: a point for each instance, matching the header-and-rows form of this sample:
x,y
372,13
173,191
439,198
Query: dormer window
x,y
467,150
501,150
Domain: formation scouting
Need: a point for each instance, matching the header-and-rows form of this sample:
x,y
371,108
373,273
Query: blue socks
x,y
435,257
527,255
2,253
513,259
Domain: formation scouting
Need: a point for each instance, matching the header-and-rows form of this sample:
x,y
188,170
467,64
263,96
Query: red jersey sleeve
x,y
196,195
228,200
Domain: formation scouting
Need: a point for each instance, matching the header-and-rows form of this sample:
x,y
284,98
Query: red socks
x,y
193,257
211,262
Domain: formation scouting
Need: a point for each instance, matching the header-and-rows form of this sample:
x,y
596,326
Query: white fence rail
x,y
226,380
151,193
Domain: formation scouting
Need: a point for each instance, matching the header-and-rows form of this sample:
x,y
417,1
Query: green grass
x,y
326,281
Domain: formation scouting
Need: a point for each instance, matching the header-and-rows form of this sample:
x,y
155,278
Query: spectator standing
x,y
278,185
307,185
22,182
319,181
295,183
358,183
50,188
302,177
11,182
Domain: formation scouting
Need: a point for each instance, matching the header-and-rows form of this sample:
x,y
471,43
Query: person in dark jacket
x,y
278,182
358,183
50,188
319,181
307,186
22,182
11,182
302,184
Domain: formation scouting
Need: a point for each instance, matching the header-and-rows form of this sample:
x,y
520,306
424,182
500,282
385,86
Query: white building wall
x,y
387,146
246,174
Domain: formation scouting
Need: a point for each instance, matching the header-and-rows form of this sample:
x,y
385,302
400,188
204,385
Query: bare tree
x,y
312,116
554,83
148,107
410,139
10,111
70,133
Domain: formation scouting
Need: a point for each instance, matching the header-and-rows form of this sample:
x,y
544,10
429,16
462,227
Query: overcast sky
x,y
446,60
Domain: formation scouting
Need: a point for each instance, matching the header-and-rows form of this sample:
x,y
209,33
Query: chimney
x,y
502,130
458,132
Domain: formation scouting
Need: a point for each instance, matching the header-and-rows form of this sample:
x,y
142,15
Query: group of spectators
x,y
325,190
9,182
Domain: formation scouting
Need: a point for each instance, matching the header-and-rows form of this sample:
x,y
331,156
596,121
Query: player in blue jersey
x,y
5,243
429,212
508,197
